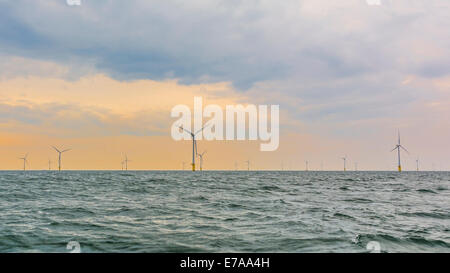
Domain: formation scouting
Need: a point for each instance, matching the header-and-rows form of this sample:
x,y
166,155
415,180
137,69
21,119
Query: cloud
x,y
243,42
98,105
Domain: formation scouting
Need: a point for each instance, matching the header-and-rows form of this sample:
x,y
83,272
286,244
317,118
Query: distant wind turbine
x,y
25,161
306,162
194,143
356,166
59,156
398,147
235,165
417,164
126,162
184,163
201,160
345,161
248,165
49,164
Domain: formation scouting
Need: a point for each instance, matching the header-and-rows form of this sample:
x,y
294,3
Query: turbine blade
x,y
66,150
393,149
187,131
404,149
206,125
56,149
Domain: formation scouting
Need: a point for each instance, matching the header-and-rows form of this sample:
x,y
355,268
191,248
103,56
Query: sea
x,y
224,211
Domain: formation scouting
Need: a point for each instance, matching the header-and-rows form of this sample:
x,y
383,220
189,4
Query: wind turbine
x,y
345,161
49,164
201,160
417,164
24,160
248,165
398,146
59,156
126,162
306,165
236,165
356,166
184,163
194,144
122,162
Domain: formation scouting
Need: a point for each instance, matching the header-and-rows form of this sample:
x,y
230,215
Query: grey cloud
x,y
332,54
239,41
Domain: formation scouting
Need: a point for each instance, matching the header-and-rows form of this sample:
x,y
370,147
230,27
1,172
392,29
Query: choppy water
x,y
108,211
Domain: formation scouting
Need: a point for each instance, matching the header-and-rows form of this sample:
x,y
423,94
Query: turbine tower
x,y
248,165
59,156
49,164
345,161
25,161
306,162
417,164
201,160
194,143
398,147
126,162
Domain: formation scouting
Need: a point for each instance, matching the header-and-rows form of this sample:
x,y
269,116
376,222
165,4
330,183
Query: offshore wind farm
x,y
230,194
195,154
224,126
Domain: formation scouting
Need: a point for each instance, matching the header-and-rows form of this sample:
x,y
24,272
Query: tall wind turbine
x,y
398,147
201,160
59,156
122,162
417,164
248,165
24,161
345,161
306,162
194,144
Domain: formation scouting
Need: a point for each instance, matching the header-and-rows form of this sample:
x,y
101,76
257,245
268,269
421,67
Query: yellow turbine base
x,y
193,167
399,168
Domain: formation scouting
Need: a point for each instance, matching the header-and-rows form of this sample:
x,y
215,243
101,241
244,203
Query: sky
x,y
101,78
